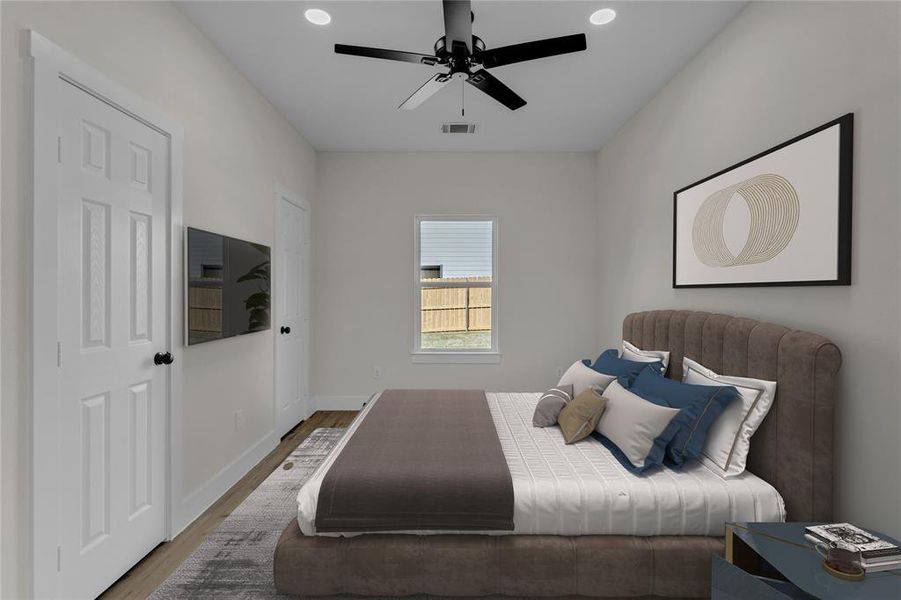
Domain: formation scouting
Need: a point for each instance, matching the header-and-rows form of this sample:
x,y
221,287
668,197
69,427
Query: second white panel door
x,y
292,324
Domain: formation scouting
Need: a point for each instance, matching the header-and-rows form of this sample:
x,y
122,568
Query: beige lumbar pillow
x,y
581,415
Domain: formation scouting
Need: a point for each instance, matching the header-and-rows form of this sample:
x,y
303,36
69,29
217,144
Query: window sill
x,y
461,358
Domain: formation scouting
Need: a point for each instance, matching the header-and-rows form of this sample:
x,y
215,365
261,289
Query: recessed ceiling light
x,y
317,16
602,17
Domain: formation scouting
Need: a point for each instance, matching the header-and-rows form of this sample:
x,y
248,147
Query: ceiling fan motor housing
x,y
460,61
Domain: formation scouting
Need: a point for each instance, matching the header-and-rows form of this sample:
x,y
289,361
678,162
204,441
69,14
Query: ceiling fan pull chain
x,y
462,99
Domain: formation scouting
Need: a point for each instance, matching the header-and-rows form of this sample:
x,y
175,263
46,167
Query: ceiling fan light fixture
x,y
602,16
317,16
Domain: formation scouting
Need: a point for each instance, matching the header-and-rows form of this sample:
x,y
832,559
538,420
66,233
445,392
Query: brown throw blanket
x,y
420,459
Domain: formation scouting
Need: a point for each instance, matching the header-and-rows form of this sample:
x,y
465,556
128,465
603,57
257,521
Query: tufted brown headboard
x,y
792,450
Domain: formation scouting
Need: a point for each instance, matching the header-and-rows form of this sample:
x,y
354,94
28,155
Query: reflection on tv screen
x,y
228,284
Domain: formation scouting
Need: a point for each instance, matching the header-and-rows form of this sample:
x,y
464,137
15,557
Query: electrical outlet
x,y
559,372
239,420
376,372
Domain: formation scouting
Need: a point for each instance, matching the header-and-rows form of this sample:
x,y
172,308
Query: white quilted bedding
x,y
581,489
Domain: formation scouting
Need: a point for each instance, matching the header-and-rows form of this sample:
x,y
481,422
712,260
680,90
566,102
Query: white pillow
x,y
635,353
582,377
729,438
633,423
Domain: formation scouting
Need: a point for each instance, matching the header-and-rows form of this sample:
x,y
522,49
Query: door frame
x,y
282,193
48,65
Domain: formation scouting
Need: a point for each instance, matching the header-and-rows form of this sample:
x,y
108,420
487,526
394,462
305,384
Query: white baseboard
x,y
195,503
198,501
339,402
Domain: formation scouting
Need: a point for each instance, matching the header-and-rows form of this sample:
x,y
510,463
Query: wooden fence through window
x,y
456,308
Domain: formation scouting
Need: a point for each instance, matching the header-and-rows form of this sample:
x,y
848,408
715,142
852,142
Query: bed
x,y
581,524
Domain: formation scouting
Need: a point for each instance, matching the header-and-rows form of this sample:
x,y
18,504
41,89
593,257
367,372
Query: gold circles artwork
x,y
774,212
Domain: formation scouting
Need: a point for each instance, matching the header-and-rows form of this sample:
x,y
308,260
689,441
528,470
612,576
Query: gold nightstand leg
x,y
729,543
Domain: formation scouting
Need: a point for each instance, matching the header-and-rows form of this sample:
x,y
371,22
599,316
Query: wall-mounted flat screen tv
x,y
228,283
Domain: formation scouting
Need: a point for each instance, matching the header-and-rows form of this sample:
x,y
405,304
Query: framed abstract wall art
x,y
782,217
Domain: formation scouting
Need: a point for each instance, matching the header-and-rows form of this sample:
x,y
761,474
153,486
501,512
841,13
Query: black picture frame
x,y
845,174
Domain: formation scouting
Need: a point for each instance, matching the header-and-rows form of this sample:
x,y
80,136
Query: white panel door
x,y
292,315
113,319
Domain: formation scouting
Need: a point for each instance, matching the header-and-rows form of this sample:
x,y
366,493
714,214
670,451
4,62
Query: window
x,y
455,285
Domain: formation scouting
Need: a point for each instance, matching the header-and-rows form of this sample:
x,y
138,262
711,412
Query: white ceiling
x,y
344,103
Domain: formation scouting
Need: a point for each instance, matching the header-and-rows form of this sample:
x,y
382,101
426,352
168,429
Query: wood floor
x,y
148,574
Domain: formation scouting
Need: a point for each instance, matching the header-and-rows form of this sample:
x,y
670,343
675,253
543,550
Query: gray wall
x,y
237,147
363,260
779,69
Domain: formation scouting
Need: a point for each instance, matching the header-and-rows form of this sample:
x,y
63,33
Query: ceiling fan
x,y
466,57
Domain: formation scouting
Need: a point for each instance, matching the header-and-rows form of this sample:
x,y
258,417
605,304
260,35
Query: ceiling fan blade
x,y
425,91
412,57
506,55
458,24
492,86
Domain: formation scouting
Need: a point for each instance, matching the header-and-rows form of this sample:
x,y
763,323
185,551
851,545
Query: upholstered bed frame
x,y
792,451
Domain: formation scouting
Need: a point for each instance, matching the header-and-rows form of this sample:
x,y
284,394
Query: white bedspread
x,y
581,489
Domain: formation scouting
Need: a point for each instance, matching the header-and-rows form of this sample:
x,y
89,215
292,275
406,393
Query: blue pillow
x,y
700,406
610,363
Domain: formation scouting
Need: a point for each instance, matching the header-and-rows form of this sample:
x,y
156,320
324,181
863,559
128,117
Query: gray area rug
x,y
235,561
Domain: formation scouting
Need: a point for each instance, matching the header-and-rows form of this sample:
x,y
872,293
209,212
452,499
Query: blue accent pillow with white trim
x,y
609,363
700,406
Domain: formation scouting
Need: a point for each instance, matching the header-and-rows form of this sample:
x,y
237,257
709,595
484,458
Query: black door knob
x,y
285,330
163,358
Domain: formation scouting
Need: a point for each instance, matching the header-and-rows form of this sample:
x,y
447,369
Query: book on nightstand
x,y
876,553
881,566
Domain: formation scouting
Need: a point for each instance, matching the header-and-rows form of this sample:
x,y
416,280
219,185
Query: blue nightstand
x,y
773,561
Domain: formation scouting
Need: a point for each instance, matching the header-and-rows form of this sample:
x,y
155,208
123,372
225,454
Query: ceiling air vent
x,y
458,128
